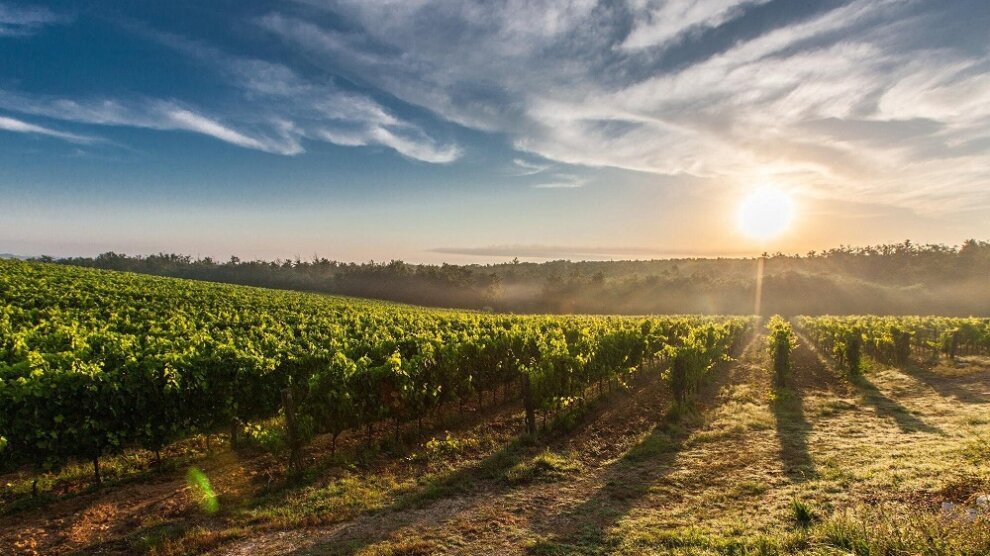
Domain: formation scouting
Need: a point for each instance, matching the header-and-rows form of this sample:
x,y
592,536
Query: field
x,y
371,428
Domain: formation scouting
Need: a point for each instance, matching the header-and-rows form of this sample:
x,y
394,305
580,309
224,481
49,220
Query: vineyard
x,y
893,340
92,363
349,426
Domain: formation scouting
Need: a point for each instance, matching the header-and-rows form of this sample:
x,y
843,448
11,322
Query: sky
x,y
476,131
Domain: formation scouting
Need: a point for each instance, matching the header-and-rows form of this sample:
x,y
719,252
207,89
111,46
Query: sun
x,y
765,213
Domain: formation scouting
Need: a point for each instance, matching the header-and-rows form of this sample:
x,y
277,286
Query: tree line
x,y
901,278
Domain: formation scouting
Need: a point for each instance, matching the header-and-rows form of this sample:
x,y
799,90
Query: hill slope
x,y
886,279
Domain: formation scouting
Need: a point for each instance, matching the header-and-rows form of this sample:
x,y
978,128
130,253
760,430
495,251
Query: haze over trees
x,y
902,278
253,417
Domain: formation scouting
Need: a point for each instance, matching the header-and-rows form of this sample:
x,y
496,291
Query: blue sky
x,y
474,131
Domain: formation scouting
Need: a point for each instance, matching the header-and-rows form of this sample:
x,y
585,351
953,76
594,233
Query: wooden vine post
x,y
292,431
529,404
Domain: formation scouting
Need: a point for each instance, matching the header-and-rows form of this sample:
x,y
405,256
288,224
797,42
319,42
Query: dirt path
x,y
618,455
825,440
627,478
97,520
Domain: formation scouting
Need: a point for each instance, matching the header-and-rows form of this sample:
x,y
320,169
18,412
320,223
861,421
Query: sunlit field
x,y
495,277
146,414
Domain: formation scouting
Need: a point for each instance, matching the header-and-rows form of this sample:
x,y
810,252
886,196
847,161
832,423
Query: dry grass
x,y
824,466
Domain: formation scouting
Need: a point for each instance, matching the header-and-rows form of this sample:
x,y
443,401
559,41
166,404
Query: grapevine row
x,y
94,362
894,340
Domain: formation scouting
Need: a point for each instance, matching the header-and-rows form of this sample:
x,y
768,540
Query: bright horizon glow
x,y
766,213
596,130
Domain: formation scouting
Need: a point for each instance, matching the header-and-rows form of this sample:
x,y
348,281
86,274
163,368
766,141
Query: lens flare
x,y
766,213
200,484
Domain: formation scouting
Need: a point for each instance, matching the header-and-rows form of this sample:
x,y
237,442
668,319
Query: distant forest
x,y
902,278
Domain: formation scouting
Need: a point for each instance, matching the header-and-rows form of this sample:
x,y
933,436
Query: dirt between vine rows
x,y
628,476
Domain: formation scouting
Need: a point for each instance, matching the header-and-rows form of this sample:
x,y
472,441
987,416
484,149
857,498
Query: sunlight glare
x,y
765,213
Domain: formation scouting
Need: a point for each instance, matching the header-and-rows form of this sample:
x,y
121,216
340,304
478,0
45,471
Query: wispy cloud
x,y
277,133
149,114
558,185
276,111
190,121
884,100
550,176
311,108
19,126
19,21
629,85
561,181
530,168
658,23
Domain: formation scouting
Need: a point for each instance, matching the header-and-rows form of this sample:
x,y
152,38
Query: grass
x,y
977,450
802,513
548,466
828,465
117,470
898,529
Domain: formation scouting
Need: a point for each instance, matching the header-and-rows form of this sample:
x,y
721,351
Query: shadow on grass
x,y
487,475
792,432
884,406
792,427
75,481
584,529
349,530
413,509
890,409
353,450
491,476
963,388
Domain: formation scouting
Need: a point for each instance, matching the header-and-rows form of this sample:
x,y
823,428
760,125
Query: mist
x,y
893,279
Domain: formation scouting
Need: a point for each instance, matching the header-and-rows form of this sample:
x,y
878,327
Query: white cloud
x,y
17,21
413,148
530,168
149,114
190,121
332,116
313,109
276,112
550,175
19,126
591,86
857,98
661,22
940,88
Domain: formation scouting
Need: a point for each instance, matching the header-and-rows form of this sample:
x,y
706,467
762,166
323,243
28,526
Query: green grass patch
x,y
546,467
